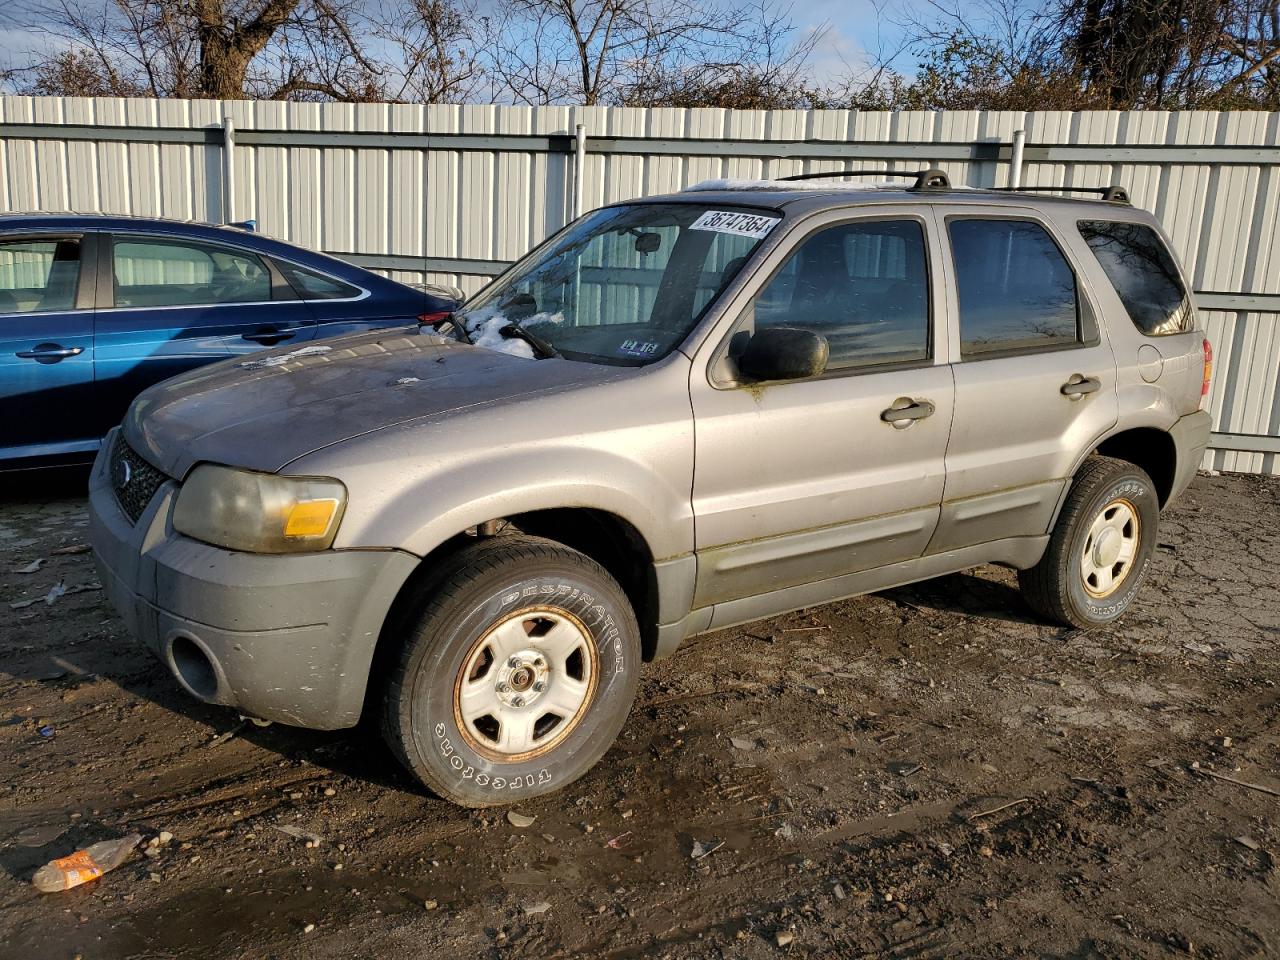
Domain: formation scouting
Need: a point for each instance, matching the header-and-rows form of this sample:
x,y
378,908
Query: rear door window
x,y
1144,275
168,273
38,276
1017,292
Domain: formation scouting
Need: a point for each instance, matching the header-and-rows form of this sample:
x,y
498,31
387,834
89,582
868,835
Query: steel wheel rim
x,y
1110,548
525,684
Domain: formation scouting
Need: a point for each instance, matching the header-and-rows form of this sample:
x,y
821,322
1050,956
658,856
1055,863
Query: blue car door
x,y
172,303
46,348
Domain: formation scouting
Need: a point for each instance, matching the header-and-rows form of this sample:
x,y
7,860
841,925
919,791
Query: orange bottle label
x,y
79,868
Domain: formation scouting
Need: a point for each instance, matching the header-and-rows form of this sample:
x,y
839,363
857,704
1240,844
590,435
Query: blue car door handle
x,y
50,353
268,335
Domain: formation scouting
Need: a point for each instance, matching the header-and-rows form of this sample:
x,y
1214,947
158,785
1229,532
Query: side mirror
x,y
784,353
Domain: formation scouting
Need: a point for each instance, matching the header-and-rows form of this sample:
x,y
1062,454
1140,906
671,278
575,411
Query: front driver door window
x,y
805,481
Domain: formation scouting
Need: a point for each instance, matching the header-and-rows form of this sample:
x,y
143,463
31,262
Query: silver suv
x,y
675,415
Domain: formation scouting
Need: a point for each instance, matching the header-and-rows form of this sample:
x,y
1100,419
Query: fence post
x,y
228,169
579,164
1015,158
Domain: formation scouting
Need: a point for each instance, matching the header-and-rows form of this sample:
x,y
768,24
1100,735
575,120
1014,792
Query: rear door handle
x,y
268,336
1079,385
50,353
905,411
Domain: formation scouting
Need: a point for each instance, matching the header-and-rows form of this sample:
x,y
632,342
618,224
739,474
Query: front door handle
x,y
1079,385
268,335
50,353
905,411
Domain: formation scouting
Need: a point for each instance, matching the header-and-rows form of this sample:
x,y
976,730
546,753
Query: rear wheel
x,y
516,674
1100,547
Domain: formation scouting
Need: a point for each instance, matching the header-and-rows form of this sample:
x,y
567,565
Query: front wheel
x,y
1100,547
516,675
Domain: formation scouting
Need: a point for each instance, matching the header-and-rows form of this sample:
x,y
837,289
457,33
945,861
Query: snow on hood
x,y
279,359
483,328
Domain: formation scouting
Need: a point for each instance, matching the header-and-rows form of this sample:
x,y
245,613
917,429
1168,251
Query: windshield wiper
x,y
513,330
450,319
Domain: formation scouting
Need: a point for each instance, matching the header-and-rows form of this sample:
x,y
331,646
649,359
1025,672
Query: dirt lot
x,y
923,773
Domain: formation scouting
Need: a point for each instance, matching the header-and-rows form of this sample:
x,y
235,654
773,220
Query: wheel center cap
x,y
522,679
1106,549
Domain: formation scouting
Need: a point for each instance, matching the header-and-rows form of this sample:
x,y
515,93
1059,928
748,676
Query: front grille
x,y
133,480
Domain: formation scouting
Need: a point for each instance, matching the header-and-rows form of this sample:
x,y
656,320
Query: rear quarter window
x,y
1143,273
315,286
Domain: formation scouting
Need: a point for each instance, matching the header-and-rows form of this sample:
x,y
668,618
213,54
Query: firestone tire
x,y
574,633
1099,552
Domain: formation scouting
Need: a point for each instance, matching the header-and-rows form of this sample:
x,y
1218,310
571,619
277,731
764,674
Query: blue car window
x,y
313,286
168,273
38,276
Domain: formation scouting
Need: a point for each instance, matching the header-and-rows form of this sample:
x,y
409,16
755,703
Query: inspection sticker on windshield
x,y
739,224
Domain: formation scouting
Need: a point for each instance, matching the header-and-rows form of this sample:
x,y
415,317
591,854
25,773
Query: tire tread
x,y
1044,586
471,563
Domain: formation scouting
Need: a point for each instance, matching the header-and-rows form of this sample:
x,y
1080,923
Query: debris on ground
x,y
224,737
536,909
31,567
519,820
312,839
71,550
742,743
616,842
84,865
704,848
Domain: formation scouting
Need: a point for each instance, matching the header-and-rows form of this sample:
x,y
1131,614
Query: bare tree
x,y
637,51
346,50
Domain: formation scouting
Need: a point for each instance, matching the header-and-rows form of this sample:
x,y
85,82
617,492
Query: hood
x,y
267,409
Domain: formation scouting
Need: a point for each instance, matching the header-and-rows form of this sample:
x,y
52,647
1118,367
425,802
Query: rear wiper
x,y
513,330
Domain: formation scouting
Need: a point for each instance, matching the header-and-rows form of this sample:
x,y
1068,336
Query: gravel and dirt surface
x,y
928,772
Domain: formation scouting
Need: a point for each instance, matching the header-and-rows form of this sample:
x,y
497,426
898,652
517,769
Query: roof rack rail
x,y
930,179
1112,194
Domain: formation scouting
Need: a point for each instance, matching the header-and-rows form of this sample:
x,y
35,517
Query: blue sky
x,y
854,33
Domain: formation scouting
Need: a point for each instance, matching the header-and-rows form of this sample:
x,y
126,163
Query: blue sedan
x,y
93,309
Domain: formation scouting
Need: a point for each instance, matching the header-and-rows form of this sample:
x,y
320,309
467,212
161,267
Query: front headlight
x,y
259,512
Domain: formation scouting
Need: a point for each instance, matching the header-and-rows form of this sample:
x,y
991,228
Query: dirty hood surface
x,y
266,409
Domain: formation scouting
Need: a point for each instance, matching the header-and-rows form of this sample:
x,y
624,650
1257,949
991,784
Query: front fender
x,y
421,517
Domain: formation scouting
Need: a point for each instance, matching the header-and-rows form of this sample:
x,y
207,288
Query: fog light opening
x,y
194,668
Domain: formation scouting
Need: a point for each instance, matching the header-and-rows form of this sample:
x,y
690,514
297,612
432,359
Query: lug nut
x,y
513,662
539,686
518,702
503,688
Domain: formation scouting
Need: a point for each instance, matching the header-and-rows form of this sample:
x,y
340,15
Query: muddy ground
x,y
928,772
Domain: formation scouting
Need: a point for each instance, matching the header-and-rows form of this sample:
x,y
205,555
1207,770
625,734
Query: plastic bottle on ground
x,y
84,865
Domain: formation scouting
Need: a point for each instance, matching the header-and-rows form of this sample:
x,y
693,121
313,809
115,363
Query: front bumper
x,y
287,638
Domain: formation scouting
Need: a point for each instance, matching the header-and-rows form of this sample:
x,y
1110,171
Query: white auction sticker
x,y
739,224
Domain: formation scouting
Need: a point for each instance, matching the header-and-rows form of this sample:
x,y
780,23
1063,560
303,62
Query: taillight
x,y
440,316
1208,368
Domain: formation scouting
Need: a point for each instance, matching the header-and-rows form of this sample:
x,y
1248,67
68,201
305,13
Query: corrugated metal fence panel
x,y
394,183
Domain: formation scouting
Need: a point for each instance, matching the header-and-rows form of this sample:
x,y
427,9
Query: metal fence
x,y
452,193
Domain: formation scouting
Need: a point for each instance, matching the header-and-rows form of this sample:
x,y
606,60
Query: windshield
x,y
623,285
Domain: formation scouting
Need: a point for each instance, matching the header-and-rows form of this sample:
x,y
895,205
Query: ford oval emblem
x,y
123,472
